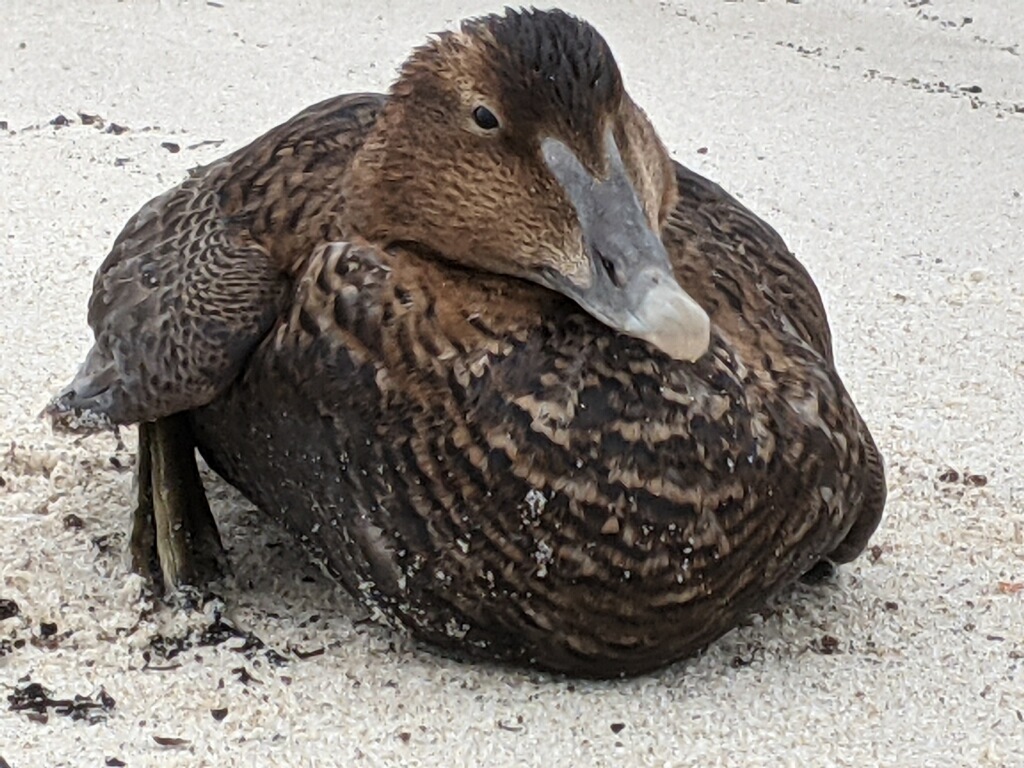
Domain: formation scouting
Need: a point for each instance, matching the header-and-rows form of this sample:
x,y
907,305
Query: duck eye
x,y
484,118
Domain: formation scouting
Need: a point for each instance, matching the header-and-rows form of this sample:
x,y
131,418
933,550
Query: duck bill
x,y
628,283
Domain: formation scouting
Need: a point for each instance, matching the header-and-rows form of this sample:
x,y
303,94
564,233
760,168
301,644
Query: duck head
x,y
511,146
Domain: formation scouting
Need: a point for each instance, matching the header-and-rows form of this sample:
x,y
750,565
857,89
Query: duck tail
x,y
872,506
87,404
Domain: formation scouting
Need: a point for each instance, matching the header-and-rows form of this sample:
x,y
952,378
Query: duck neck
x,y
368,185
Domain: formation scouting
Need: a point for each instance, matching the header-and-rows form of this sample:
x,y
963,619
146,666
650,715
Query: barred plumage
x,y
412,342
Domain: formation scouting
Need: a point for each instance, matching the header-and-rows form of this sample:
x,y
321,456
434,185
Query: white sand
x,y
906,204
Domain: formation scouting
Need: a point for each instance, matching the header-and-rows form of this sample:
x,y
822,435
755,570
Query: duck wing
x,y
765,303
739,268
201,273
176,306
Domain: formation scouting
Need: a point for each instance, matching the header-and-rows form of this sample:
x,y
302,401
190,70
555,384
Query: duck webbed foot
x,y
174,542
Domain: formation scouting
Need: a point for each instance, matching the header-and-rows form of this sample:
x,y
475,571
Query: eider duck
x,y
525,385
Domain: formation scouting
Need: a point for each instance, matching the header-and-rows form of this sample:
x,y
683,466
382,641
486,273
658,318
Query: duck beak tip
x,y
673,322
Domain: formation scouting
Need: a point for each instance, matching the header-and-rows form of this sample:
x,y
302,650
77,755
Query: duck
x,y
530,389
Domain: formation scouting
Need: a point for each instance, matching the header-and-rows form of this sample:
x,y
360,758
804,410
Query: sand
x,y
884,140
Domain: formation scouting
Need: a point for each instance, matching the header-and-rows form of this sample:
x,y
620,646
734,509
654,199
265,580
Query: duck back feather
x,y
485,464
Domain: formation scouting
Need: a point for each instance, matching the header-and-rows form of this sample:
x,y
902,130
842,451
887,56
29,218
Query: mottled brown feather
x,y
492,468
341,312
201,273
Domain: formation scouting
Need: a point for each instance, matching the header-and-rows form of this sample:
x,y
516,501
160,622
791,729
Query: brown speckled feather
x,y
739,268
350,311
493,468
723,252
199,275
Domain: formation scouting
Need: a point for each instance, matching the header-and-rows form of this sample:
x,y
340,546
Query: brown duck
x,y
527,386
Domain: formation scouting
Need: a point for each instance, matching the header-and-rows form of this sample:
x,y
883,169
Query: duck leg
x,y
174,541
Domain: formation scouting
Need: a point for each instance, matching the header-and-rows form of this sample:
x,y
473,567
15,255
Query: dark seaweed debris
x,y
171,741
8,608
216,633
970,92
10,646
950,475
37,701
108,542
826,645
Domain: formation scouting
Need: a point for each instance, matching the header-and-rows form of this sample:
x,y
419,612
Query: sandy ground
x,y
884,140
